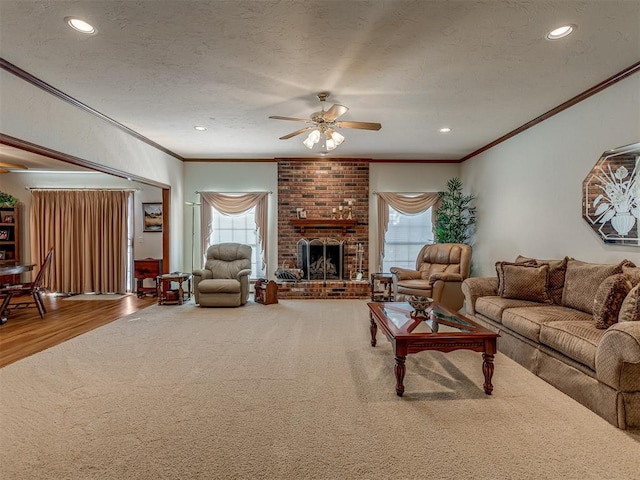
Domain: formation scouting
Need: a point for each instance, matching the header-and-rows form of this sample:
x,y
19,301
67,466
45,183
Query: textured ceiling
x,y
482,68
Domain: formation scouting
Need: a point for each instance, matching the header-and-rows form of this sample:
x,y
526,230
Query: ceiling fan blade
x,y
360,125
3,170
297,132
293,119
12,165
334,112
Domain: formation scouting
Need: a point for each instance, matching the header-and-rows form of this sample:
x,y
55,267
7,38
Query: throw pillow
x,y
526,282
630,310
582,281
500,275
608,300
557,272
632,272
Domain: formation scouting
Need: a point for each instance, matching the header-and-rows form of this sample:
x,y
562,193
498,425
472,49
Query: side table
x,y
385,280
169,296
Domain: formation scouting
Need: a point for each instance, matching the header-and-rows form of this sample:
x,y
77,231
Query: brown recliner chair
x,y
440,270
224,280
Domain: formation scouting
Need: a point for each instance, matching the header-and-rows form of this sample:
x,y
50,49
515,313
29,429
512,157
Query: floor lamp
x,y
193,206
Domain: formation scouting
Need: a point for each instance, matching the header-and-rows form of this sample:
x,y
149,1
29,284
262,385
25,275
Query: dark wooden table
x,y
6,292
385,280
167,295
443,330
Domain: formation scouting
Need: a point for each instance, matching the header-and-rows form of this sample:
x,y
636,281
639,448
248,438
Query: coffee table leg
x,y
399,370
487,369
373,328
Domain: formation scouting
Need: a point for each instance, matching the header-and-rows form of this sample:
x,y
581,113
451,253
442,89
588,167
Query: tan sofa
x,y
580,333
440,270
224,280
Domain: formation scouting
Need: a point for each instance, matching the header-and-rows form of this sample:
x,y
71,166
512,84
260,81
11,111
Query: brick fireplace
x,y
319,186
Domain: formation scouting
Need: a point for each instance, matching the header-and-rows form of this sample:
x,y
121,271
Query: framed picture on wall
x,y
152,214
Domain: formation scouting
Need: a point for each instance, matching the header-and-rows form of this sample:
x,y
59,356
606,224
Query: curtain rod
x,y
228,193
403,193
87,189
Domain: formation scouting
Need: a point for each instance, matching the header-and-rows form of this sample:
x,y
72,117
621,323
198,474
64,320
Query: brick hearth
x,y
318,186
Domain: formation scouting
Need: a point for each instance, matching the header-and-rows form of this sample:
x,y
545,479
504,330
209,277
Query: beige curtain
x,y
88,232
407,204
234,205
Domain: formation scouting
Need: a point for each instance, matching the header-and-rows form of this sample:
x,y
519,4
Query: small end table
x,y
386,281
169,296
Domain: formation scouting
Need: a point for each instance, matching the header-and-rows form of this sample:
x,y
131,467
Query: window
x,y
406,235
240,229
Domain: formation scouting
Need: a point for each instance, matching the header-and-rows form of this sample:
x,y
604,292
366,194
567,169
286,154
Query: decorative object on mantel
x,y
456,215
7,200
611,196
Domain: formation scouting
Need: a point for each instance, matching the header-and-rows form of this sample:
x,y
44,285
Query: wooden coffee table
x,y
443,330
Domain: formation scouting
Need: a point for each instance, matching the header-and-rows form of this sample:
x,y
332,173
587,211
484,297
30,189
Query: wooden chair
x,y
31,289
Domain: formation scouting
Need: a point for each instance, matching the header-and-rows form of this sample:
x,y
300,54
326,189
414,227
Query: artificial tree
x,y
456,215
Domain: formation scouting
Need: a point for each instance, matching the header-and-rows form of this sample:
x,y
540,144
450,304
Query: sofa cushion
x,y
608,300
500,271
527,321
493,306
630,309
526,282
633,273
557,272
577,339
582,281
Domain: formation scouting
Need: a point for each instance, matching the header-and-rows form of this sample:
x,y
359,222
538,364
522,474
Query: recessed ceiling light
x,y
444,130
561,32
80,25
200,128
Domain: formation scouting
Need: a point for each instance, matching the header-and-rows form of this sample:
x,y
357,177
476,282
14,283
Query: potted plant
x,y
456,214
7,200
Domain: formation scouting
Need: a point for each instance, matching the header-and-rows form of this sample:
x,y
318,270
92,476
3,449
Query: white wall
x,y
529,188
403,177
230,177
31,114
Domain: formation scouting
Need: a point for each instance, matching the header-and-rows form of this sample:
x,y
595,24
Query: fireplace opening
x,y
321,259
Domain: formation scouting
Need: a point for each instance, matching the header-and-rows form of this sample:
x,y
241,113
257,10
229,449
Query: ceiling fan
x,y
324,124
4,167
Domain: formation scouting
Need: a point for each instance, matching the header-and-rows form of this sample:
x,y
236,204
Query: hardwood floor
x,y
25,333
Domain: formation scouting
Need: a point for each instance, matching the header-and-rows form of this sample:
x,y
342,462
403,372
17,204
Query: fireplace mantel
x,y
303,223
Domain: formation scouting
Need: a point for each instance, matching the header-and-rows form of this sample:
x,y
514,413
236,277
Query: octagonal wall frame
x,y
611,196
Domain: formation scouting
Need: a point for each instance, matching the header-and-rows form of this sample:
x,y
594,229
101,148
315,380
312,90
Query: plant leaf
x,y
608,216
602,208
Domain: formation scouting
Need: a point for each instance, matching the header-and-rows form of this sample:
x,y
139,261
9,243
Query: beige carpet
x,y
96,296
286,391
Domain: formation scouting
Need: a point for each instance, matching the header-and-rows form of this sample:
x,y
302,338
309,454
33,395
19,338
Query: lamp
x,y
193,206
332,139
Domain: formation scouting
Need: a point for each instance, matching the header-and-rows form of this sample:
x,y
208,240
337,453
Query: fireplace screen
x,y
321,259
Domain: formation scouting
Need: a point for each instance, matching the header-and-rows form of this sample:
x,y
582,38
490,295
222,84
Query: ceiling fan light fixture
x,y
330,144
337,137
80,25
308,143
314,136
